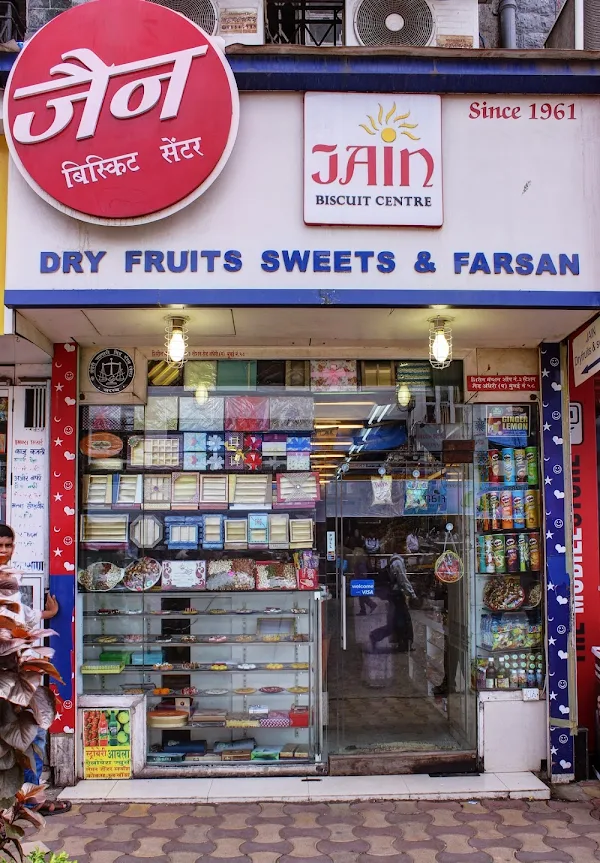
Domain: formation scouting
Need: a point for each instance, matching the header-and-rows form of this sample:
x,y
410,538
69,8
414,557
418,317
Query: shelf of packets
x,y
222,574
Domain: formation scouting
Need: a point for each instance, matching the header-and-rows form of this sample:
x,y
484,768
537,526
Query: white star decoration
x,y
554,751
546,426
553,696
550,586
58,441
549,534
58,388
58,496
548,480
57,552
551,640
545,373
58,716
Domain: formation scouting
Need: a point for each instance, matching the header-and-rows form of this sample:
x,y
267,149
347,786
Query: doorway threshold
x,y
295,789
402,763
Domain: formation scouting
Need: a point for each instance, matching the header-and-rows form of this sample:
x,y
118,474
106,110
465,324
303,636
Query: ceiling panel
x,y
405,330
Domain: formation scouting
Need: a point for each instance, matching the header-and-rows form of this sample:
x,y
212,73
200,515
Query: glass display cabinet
x,y
508,552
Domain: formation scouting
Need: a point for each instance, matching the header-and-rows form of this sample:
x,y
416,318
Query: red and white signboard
x,y
503,383
120,111
372,159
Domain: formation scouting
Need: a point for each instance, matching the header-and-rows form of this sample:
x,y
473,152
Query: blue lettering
x,y
545,265
153,259
386,263
341,262
524,265
321,263
295,258
461,259
503,261
233,261
94,260
132,259
210,260
270,261
49,262
568,263
72,260
193,261
480,264
181,266
364,260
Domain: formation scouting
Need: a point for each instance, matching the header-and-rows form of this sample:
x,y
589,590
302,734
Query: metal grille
x,y
393,22
305,22
201,12
35,408
11,25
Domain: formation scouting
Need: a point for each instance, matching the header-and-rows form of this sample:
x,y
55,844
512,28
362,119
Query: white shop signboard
x,y
516,226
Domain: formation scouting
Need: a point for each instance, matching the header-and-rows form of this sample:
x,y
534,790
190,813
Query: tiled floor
x,y
405,831
296,789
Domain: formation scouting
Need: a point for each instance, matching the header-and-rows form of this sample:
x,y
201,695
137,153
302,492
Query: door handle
x,y
344,639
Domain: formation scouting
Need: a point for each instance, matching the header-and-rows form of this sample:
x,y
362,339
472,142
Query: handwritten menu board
x,y
28,514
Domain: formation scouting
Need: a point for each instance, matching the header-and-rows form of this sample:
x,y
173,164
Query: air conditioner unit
x,y
235,21
412,23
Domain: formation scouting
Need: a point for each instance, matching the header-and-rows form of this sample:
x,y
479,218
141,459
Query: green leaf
x,y
21,732
11,781
43,707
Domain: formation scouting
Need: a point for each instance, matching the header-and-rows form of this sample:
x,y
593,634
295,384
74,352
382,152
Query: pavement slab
x,y
405,831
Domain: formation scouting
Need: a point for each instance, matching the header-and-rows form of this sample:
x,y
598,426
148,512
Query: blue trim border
x,y
426,70
277,296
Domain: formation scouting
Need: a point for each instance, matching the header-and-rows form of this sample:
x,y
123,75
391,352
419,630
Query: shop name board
x,y
503,383
152,127
309,260
372,159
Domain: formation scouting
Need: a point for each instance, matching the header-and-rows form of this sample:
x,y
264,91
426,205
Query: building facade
x,y
327,524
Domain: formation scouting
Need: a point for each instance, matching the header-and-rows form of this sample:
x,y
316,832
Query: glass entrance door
x,y
399,669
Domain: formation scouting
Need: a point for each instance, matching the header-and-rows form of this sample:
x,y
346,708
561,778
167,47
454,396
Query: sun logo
x,y
385,126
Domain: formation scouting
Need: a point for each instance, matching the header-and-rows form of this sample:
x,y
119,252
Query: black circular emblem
x,y
111,371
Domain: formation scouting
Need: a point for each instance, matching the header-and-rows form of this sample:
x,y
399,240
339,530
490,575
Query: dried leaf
x,y
11,781
18,688
8,759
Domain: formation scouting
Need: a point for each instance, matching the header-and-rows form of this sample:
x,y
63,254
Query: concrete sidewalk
x,y
491,831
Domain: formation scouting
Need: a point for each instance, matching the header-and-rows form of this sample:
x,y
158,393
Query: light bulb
x,y
201,394
403,395
440,347
176,346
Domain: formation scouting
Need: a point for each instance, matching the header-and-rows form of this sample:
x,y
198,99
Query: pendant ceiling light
x,y
403,394
440,343
176,342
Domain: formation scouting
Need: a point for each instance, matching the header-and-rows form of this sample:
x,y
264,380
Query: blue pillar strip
x,y
558,581
63,587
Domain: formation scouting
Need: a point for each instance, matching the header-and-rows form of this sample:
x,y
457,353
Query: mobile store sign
x,y
503,240
120,111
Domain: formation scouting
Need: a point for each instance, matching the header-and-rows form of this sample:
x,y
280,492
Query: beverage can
x,y
494,509
490,567
484,510
481,554
518,506
523,548
532,465
512,552
534,552
520,465
506,508
499,553
508,464
531,509
495,469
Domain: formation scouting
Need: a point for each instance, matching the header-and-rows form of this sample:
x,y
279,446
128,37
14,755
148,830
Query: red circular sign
x,y
120,111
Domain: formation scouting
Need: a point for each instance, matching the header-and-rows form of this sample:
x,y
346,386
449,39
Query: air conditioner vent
x,y
201,12
393,22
